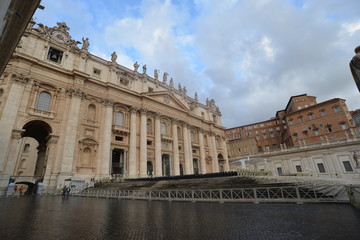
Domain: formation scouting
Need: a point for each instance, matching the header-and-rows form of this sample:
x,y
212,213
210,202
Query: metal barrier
x,y
264,194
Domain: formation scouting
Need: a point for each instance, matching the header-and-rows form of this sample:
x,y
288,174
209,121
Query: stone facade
x,y
93,118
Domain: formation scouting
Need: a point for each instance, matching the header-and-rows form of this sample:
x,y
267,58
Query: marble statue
x,y
355,67
136,66
86,44
113,57
165,77
144,69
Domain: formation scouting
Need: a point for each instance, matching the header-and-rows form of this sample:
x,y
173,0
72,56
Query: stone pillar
x,y
71,132
50,178
158,162
14,150
202,152
143,146
190,153
187,149
132,145
9,115
176,168
214,153
105,148
226,167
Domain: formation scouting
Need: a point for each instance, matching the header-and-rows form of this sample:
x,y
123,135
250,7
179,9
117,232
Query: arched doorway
x,y
149,168
221,161
39,131
196,166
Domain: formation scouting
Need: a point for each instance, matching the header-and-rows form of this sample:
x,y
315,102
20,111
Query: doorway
x,y
117,163
166,165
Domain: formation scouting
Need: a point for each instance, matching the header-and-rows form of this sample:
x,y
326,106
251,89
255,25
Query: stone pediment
x,y
167,99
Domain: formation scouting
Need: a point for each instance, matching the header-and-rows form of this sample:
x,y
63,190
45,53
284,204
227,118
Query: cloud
x,y
250,56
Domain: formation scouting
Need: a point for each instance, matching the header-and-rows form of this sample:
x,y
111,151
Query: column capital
x,y
143,111
133,109
20,78
157,115
16,133
75,92
107,102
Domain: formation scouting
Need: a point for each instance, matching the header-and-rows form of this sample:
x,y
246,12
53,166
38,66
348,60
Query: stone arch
x,y
41,132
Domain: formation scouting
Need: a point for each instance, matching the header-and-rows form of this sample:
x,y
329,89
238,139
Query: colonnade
x,y
139,168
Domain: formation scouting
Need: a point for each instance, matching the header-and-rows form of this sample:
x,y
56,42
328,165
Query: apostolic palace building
x,y
307,138
68,114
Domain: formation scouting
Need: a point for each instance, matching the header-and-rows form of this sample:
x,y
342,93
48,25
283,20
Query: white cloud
x,y
250,56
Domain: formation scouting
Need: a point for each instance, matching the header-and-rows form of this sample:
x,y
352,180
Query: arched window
x,y
26,148
163,128
119,119
149,126
92,112
44,101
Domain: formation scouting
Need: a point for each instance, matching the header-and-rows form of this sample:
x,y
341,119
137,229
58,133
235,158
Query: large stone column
x,y
202,152
227,167
105,148
176,168
158,166
9,115
71,132
214,153
143,140
132,145
50,178
187,149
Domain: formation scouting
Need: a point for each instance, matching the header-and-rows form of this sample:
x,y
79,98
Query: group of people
x,y
65,191
19,191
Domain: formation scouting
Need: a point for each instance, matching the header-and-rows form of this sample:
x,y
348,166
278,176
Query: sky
x,y
249,56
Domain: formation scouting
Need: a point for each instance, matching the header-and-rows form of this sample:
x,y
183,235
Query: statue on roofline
x,y
86,44
355,67
113,57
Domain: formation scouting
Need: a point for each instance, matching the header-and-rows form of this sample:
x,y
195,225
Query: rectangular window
x,y
323,113
265,136
150,89
311,116
347,166
343,126
272,135
264,130
316,132
301,119
149,143
279,133
118,138
274,146
54,55
321,167
279,171
257,137
298,168
291,122
336,109
96,72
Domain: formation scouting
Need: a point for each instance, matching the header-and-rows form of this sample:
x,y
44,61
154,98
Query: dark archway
x,y
40,131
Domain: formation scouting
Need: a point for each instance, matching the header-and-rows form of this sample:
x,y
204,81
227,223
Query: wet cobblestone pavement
x,y
51,217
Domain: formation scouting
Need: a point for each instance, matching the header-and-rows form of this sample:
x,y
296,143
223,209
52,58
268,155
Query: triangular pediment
x,y
167,99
